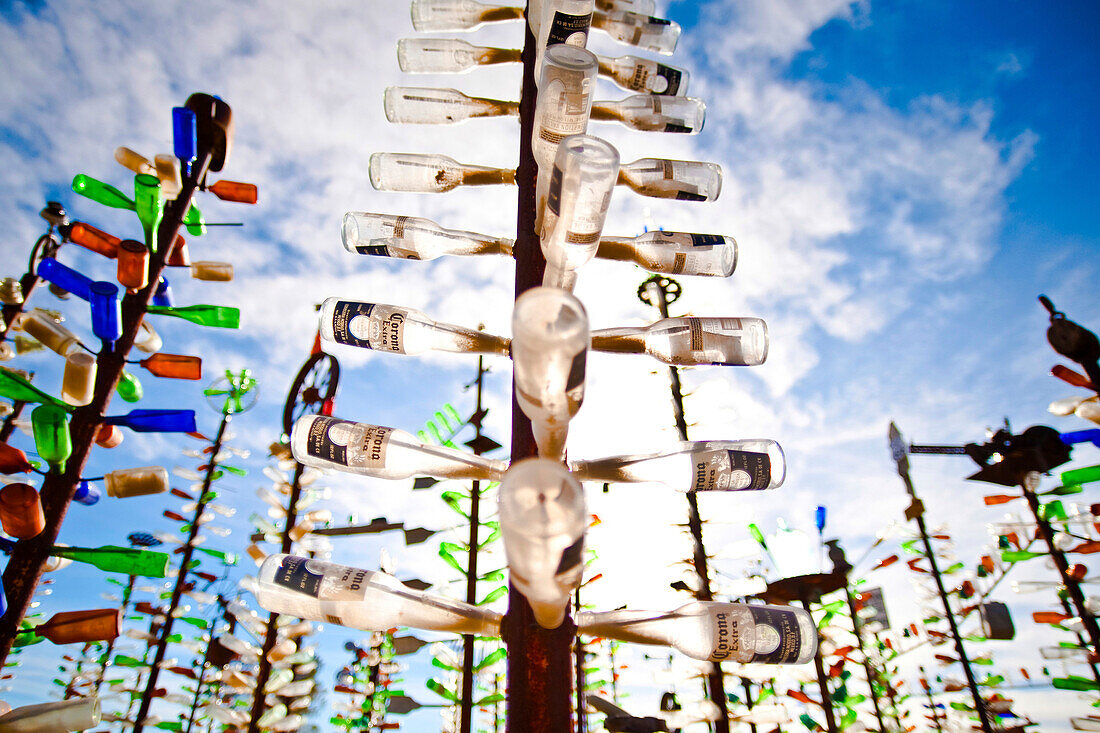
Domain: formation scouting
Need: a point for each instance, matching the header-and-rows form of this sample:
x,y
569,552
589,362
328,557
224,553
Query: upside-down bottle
x,y
449,55
458,15
579,193
430,106
691,341
315,590
398,330
78,380
381,452
684,180
653,113
562,109
413,238
642,31
708,465
561,23
549,350
713,631
675,253
422,173
542,520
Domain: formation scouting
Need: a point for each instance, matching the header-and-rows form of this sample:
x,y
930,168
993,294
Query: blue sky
x,y
903,179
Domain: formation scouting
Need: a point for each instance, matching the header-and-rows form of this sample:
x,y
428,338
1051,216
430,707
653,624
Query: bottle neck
x,y
478,176
489,56
623,340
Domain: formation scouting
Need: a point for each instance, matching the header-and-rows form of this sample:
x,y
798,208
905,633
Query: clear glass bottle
x,y
430,106
549,349
707,465
564,102
714,631
579,193
381,452
421,173
691,341
212,271
49,331
78,380
129,482
413,238
449,55
674,253
80,714
684,180
398,330
642,31
134,161
459,15
315,590
561,22
653,113
543,520
644,7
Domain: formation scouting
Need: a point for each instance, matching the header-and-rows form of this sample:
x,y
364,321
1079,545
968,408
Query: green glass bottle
x,y
1081,475
149,206
114,559
18,389
1067,490
215,316
129,387
196,225
1052,511
227,558
50,425
1020,555
121,660
101,192
1073,682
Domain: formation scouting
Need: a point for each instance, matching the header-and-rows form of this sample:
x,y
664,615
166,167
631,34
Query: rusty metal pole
x,y
822,679
24,569
868,668
539,660
466,709
715,685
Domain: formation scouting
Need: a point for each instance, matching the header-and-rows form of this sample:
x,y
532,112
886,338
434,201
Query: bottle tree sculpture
x,y
565,180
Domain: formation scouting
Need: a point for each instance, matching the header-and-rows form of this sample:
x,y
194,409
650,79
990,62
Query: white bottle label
x,y
731,470
369,326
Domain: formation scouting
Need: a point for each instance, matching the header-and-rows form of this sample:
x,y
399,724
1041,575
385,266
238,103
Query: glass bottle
x,y
714,465
562,109
212,271
13,460
653,113
47,330
129,387
561,22
106,312
128,482
235,191
644,7
549,349
50,425
642,31
21,512
400,330
93,239
580,186
133,265
173,366
155,421
543,520
691,341
78,380
449,55
714,631
16,388
429,106
674,253
215,316
79,714
315,590
73,627
413,238
101,193
132,161
422,173
684,180
168,172
459,15
1081,475
149,206
112,559
381,452
66,278
11,291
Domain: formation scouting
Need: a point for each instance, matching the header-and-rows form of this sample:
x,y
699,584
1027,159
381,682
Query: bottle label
x,y
571,557
294,574
369,326
553,197
731,470
706,240
576,371
785,623
676,127
659,21
378,250
328,440
569,29
689,196
376,440
673,78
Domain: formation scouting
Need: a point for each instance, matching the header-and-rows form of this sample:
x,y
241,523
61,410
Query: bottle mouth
x,y
570,57
591,152
349,232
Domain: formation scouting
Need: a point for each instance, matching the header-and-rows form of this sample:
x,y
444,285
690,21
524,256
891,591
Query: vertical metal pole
x,y
872,674
715,685
1060,562
903,471
539,670
181,579
24,569
105,658
199,684
271,632
890,693
822,680
578,662
466,710
931,700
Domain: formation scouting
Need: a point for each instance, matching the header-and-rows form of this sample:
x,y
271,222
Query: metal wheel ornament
x,y
234,393
313,389
671,287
